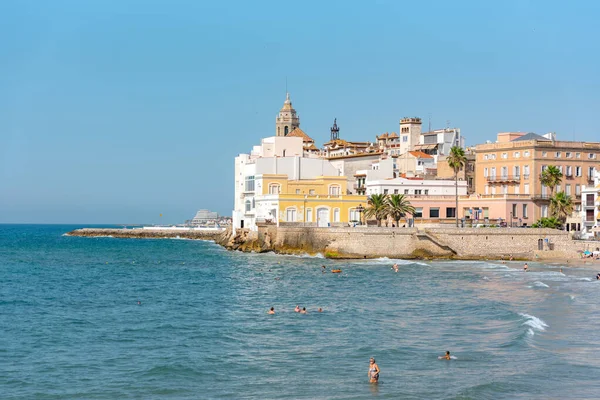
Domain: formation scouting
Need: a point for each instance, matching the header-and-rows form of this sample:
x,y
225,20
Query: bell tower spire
x,y
335,130
287,120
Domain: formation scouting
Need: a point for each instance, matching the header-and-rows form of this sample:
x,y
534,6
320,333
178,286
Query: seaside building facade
x,y
512,166
590,208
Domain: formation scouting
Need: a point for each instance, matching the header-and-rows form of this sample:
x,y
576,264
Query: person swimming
x,y
297,309
271,311
598,276
320,309
303,310
446,356
373,371
395,267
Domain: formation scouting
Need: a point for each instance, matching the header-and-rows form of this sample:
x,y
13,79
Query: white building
x,y
203,217
590,208
414,186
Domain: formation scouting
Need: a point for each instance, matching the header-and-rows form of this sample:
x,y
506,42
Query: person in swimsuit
x,y
373,371
297,309
525,267
395,267
447,356
271,311
303,310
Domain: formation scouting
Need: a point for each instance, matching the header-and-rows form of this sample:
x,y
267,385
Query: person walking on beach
x,y
525,267
373,371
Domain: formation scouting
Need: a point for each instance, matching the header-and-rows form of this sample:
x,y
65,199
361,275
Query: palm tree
x,y
376,207
456,160
561,206
551,177
397,206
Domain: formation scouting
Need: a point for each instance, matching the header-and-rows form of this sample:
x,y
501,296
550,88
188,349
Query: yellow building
x,y
310,202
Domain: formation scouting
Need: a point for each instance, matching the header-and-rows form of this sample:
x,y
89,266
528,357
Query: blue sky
x,y
118,111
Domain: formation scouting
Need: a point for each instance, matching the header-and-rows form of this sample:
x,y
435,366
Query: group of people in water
x,y
297,309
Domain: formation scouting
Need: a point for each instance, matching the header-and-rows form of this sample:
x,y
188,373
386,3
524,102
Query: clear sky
x,y
118,111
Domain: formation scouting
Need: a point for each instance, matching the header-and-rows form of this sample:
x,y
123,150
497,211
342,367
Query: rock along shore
x,y
146,233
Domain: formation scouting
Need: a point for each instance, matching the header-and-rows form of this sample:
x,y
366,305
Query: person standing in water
x,y
446,356
303,310
271,311
373,371
525,267
297,309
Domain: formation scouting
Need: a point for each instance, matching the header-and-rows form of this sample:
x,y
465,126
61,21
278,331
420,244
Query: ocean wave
x,y
391,261
539,284
585,279
534,323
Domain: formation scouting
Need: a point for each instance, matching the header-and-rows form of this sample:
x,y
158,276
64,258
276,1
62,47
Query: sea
x,y
108,318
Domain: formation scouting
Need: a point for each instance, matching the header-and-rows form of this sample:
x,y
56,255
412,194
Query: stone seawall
x,y
372,242
146,233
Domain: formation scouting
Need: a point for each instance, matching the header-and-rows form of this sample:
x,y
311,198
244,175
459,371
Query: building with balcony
x,y
513,165
590,208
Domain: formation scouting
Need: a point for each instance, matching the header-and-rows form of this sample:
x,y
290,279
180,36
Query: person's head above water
x,y
447,353
372,360
272,308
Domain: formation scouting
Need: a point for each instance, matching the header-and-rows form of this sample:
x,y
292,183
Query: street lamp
x,y
360,209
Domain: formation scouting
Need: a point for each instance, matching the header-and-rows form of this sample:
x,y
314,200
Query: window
x,y
589,199
504,155
516,171
426,192
418,212
334,190
493,156
525,211
526,153
248,204
290,215
405,191
336,215
504,189
485,172
577,171
504,172
568,190
450,212
569,171
577,190
274,188
544,167
249,187
525,171
493,172
405,139
517,154
434,212
526,188
568,155
577,155
297,191
557,189
589,215
545,211
395,191
591,156
487,189
485,156
591,173
385,191
417,191
493,189
309,216
517,189
557,154
544,154
514,211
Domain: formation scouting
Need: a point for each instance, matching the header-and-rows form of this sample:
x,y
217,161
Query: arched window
x,y
274,188
290,215
248,205
334,190
285,130
278,131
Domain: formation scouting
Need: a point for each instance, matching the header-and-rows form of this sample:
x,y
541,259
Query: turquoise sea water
x,y
71,326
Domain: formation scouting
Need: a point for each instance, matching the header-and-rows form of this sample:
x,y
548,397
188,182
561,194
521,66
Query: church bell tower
x,y
287,119
335,130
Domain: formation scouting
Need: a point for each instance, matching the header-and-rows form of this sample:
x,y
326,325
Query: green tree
x,y
376,207
456,160
544,222
561,206
397,206
551,177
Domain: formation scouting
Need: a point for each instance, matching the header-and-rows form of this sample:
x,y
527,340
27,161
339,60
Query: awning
x,y
425,146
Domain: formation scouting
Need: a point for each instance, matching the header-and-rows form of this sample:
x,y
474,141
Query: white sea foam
x,y
486,278
534,322
530,332
572,297
585,279
540,284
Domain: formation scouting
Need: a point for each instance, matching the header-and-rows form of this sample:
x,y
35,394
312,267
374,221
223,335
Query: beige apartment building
x,y
511,167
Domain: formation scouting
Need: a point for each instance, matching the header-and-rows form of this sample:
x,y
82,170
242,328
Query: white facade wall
x,y
433,187
591,229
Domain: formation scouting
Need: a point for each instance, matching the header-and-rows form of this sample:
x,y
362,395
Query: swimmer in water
x,y
271,311
297,309
525,267
139,303
323,269
303,310
320,309
561,271
598,277
373,371
395,267
447,356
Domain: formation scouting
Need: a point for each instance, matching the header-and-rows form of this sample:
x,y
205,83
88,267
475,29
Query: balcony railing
x,y
525,177
540,197
504,178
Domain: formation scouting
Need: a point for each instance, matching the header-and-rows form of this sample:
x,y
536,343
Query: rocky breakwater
x,y
147,233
